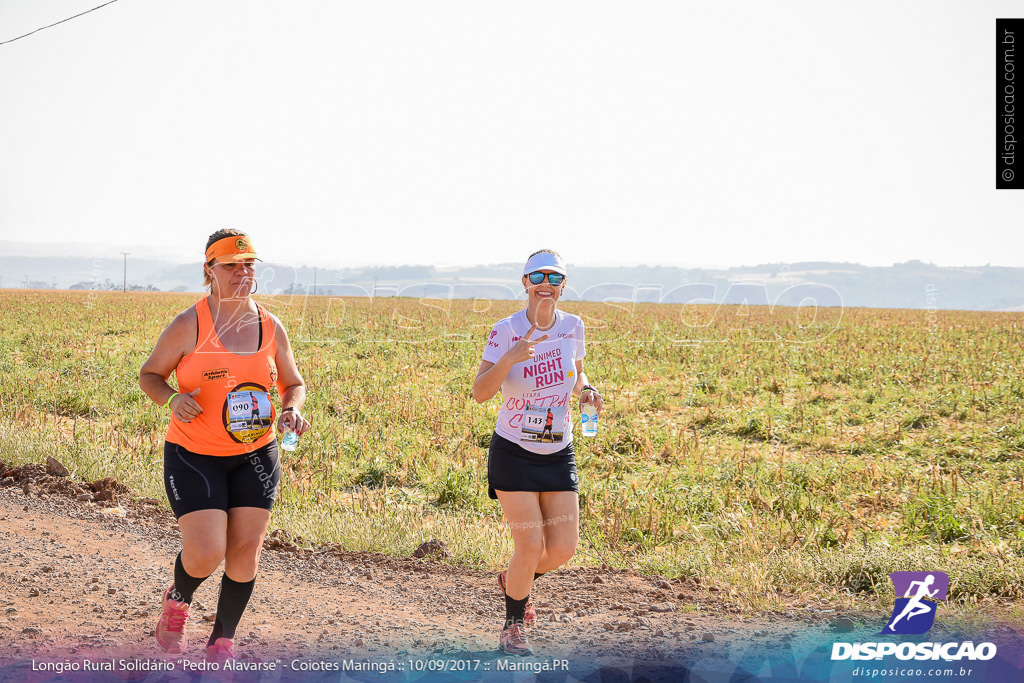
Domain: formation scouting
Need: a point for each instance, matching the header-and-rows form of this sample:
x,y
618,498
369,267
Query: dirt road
x,y
80,586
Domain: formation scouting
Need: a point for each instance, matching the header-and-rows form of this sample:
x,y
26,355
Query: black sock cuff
x,y
515,610
228,581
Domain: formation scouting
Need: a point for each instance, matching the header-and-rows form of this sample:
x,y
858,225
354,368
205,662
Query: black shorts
x,y
220,482
510,467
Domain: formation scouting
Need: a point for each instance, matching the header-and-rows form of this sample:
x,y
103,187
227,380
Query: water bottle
x,y
588,419
290,440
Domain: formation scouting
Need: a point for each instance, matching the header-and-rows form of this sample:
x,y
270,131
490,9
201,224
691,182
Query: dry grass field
x,y
783,457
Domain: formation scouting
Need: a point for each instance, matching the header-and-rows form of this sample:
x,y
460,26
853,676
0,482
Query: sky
x,y
701,133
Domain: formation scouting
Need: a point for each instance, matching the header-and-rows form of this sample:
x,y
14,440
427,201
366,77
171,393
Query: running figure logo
x,y
255,422
917,598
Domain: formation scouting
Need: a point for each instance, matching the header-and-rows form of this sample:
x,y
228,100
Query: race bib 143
x,y
543,425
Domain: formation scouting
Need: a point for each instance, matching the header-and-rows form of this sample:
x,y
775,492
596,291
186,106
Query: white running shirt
x,y
536,392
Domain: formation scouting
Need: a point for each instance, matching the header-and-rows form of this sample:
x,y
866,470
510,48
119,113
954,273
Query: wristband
x,y
288,409
168,404
587,387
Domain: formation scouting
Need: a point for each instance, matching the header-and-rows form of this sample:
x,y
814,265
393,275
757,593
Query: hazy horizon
x,y
181,257
912,284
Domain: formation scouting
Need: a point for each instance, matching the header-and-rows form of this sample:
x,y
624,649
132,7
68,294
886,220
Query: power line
x,y
111,2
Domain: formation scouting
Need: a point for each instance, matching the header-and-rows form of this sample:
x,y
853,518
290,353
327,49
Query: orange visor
x,y
230,249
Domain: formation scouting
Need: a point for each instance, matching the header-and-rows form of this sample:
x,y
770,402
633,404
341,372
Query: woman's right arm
x,y
177,340
489,378
491,375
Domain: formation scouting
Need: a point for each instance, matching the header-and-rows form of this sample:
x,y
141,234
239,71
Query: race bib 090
x,y
248,413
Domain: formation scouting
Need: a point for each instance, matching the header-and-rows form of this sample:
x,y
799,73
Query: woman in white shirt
x,y
535,357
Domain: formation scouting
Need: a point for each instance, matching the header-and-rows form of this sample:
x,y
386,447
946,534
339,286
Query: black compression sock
x,y
234,596
515,610
185,584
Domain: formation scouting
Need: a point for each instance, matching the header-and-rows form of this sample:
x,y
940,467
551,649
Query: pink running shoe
x,y
513,640
530,618
170,630
221,651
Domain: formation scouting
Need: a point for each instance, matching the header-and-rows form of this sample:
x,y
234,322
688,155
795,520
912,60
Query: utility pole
x,y
124,284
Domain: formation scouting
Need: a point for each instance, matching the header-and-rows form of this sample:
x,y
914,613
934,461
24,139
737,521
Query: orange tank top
x,y
238,415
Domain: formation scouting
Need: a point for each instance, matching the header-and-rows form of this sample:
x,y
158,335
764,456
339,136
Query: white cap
x,y
544,261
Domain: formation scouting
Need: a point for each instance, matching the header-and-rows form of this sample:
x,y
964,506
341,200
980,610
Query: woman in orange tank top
x,y
221,468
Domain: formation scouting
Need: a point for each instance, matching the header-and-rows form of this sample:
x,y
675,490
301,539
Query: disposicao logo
x,y
917,597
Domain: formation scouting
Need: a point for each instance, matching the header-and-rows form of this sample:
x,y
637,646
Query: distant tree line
x,y
108,285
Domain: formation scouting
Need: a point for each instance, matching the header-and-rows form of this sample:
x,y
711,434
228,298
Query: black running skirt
x,y
510,467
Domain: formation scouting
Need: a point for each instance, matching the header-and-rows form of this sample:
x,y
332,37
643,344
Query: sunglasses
x,y
537,277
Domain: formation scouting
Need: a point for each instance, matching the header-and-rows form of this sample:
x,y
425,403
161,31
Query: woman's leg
x,y
196,488
246,528
560,511
523,514
252,487
203,539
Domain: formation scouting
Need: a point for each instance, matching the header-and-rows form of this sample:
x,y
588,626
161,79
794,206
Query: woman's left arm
x,y
289,384
592,395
